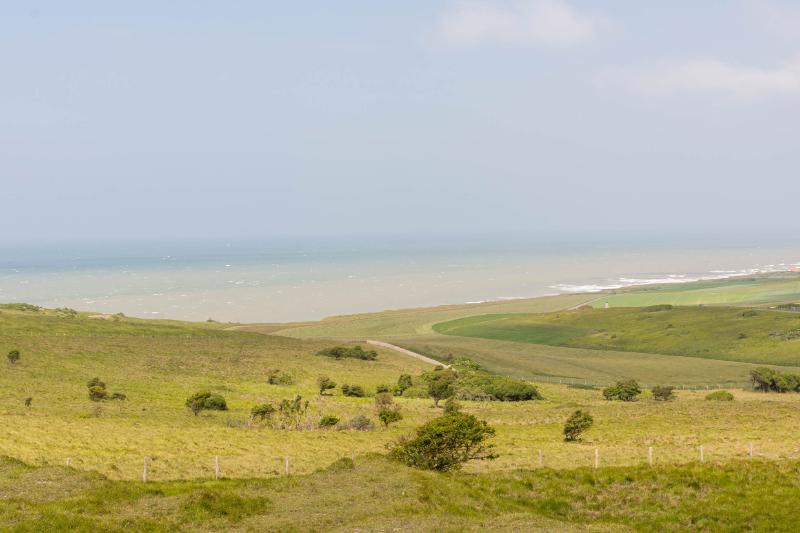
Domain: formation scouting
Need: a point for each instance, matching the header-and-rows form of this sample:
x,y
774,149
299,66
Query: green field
x,y
752,336
372,494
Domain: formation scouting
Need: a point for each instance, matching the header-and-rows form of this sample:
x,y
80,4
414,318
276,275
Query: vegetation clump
x,y
349,352
325,384
389,415
720,396
663,393
206,401
328,421
262,412
359,423
657,308
624,391
355,391
404,382
13,356
276,377
446,443
768,380
291,413
441,385
576,425
98,391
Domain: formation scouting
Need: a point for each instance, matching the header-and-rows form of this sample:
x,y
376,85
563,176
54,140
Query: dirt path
x,y
407,352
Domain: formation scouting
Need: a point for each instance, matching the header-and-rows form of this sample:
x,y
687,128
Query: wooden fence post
x,y
650,455
541,462
286,464
216,467
144,470
69,461
596,457
751,450
702,455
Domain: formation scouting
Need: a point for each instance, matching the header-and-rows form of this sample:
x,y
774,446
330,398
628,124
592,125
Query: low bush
x,y
663,393
359,423
349,352
13,356
328,421
206,401
292,413
388,416
383,399
720,396
657,308
325,384
445,443
276,377
624,391
262,412
451,406
576,424
355,391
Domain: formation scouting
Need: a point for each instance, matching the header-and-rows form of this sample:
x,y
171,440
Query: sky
x,y
192,119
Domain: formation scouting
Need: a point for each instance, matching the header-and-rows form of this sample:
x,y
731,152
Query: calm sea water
x,y
286,280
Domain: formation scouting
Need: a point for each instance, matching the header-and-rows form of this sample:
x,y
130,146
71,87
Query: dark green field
x,y
733,334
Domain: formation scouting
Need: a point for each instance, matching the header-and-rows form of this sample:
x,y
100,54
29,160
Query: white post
x,y
69,461
286,464
144,471
650,455
216,467
751,450
702,455
596,457
541,462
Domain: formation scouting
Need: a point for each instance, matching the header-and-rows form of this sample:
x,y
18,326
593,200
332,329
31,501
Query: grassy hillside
x,y
372,494
753,336
158,365
763,290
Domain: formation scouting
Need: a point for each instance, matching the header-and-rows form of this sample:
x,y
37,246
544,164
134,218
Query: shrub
x,y
97,393
766,379
356,391
118,396
625,391
13,356
359,423
656,308
292,412
328,421
576,424
441,386
262,412
474,394
720,396
404,382
349,352
206,401
28,401
383,399
387,416
325,384
663,393
452,406
276,377
502,388
382,388
445,443
95,382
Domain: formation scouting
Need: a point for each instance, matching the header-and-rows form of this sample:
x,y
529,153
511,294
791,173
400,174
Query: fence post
x,y
69,461
144,470
702,455
216,467
596,457
541,463
286,464
751,450
650,455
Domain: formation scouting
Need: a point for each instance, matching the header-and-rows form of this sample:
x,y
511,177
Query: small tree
x,y
441,386
446,443
388,416
13,356
292,412
325,384
625,391
576,424
763,378
663,393
403,382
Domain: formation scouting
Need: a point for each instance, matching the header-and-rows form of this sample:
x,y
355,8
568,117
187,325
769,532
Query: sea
x,y
309,278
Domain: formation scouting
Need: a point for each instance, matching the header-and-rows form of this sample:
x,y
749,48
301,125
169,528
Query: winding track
x,y
407,352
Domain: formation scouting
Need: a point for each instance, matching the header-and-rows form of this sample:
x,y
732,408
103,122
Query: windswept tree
x,y
206,401
576,424
325,384
441,386
387,415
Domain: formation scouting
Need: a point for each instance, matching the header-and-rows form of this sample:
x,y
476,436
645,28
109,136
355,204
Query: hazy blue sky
x,y
190,118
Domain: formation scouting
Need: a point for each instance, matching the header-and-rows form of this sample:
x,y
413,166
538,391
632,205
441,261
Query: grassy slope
x,y
762,336
372,494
